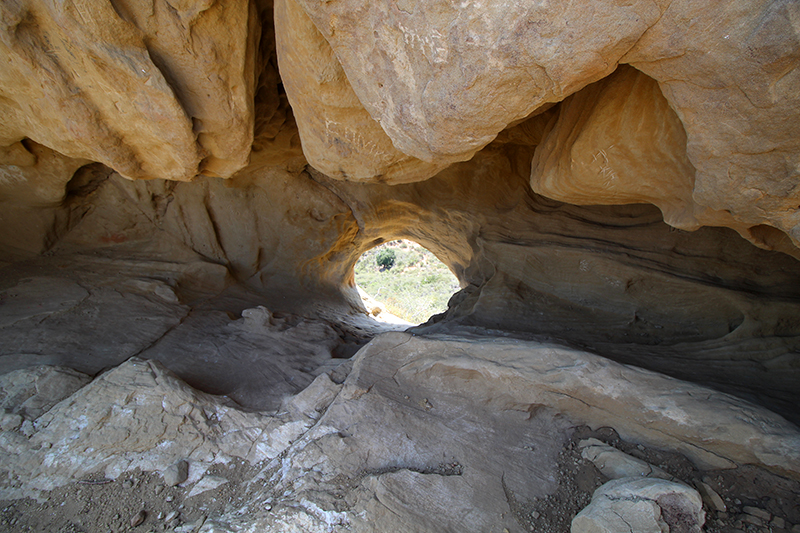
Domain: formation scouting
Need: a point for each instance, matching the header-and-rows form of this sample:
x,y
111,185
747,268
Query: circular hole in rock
x,y
401,279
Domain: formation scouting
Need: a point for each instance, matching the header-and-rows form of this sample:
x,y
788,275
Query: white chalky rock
x,y
641,505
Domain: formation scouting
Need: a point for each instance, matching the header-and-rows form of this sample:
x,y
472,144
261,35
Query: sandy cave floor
x,y
97,504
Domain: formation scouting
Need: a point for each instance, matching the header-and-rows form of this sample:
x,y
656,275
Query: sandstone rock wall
x,y
591,172
731,75
158,90
340,138
413,434
394,92
547,119
615,279
442,81
618,142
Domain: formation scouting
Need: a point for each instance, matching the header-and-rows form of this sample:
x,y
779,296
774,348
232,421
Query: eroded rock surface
x,y
444,80
405,427
340,138
137,416
618,142
422,434
746,160
612,279
395,92
615,280
160,90
519,143
31,392
642,505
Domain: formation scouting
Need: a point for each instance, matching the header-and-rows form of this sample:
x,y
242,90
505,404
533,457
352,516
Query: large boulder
x,y
704,130
444,79
643,506
164,90
339,136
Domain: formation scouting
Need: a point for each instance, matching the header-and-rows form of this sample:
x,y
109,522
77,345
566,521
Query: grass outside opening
x,y
407,279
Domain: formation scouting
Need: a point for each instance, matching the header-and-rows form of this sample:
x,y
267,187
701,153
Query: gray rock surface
x,y
176,473
410,444
31,392
615,464
95,319
642,506
642,406
139,415
421,434
184,260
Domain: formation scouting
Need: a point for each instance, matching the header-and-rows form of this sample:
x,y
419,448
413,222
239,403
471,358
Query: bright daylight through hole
x,y
404,280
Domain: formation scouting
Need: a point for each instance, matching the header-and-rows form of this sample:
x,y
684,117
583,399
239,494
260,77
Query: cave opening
x,y
402,281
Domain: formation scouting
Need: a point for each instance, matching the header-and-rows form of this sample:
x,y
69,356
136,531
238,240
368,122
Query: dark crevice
x,y
453,468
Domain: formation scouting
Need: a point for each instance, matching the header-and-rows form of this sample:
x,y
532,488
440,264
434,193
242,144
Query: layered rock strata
x,y
443,81
615,280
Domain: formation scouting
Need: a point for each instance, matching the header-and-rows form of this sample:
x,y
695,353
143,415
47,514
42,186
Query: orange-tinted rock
x,y
151,91
444,79
731,75
339,137
618,142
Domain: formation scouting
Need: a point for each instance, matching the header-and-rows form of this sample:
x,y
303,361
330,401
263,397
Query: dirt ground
x,y
98,505
101,505
746,486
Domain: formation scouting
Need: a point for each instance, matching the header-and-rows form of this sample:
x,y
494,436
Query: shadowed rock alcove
x,y
186,189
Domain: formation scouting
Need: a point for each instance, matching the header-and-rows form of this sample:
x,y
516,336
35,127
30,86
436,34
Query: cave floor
x,y
109,505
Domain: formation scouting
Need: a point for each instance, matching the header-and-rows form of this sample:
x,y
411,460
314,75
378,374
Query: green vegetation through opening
x,y
407,279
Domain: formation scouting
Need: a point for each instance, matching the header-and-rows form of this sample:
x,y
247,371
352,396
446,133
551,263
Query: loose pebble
x,y
176,473
755,511
750,519
138,518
